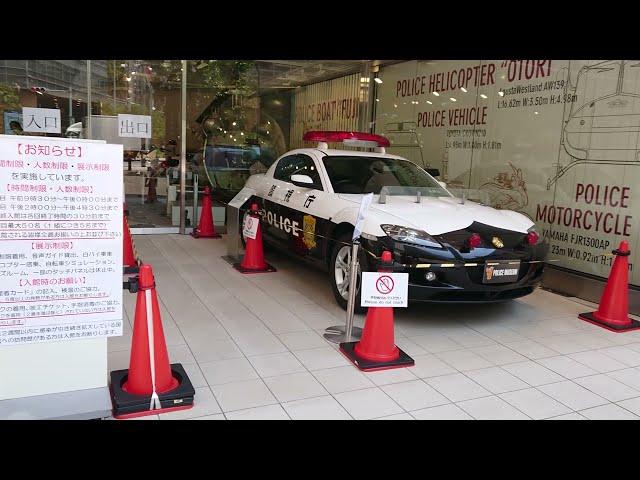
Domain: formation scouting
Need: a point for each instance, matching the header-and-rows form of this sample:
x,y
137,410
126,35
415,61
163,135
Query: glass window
x,y
296,165
356,174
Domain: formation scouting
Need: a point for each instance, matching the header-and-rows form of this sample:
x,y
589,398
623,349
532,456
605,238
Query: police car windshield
x,y
356,174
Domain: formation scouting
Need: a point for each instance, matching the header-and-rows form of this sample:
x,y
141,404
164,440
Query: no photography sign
x,y
381,289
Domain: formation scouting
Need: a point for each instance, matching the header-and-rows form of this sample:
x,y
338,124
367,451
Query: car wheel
x,y
339,268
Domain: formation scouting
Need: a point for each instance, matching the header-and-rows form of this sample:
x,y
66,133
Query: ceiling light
x,y
501,93
377,80
234,124
128,79
483,95
429,102
436,94
452,99
536,113
463,89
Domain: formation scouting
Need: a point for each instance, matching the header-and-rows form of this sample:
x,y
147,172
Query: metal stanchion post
x,y
194,215
348,333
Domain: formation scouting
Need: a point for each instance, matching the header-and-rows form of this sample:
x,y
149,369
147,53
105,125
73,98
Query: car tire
x,y
340,250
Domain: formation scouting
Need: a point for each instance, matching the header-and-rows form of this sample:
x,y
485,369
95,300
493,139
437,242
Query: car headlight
x,y
410,235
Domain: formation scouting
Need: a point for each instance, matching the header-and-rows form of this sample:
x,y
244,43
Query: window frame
x,y
320,181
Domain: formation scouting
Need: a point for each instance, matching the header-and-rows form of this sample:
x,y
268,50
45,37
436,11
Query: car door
x,y
296,208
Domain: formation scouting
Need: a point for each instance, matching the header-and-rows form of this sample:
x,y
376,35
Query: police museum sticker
x,y
382,289
250,227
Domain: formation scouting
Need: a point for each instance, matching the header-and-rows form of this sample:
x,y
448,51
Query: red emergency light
x,y
349,138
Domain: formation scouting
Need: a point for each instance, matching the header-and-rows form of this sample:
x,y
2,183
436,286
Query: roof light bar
x,y
361,139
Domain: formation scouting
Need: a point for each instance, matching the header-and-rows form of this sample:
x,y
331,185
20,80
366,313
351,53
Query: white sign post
x,y
61,281
41,120
138,126
382,289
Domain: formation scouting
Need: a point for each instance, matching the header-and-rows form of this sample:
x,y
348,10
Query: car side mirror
x,y
434,172
303,181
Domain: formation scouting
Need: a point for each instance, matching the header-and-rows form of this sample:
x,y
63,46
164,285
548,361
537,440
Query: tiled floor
x,y
252,346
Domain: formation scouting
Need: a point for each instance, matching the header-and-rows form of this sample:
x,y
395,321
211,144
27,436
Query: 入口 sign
x,y
41,120
138,126
382,289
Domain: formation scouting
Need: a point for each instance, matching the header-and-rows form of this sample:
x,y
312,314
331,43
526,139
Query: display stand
x,y
57,379
235,249
234,242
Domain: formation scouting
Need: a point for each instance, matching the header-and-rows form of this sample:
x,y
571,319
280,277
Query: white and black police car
x,y
454,250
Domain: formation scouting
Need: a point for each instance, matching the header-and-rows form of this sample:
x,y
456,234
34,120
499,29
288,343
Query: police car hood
x,y
441,215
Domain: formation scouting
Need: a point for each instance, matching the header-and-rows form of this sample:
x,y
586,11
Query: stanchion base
x,y
338,334
348,349
241,269
128,270
231,259
196,234
127,405
589,317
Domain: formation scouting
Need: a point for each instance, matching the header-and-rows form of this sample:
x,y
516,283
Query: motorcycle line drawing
x,y
602,116
508,190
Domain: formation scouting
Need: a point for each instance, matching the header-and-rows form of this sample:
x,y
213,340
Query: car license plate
x,y
501,272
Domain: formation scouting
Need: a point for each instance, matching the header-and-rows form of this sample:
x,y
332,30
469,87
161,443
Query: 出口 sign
x,y
137,126
61,240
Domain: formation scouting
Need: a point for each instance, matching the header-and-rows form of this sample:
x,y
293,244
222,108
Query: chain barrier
x,y
453,264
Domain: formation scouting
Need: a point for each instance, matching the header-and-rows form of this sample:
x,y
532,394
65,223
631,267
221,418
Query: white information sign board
x,y
61,240
382,289
41,120
138,126
250,227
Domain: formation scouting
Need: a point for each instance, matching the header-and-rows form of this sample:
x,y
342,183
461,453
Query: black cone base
x,y
589,317
127,405
195,234
241,269
348,349
131,269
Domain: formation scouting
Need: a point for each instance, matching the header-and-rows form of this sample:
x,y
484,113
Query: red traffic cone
x,y
129,257
205,228
613,311
151,385
376,349
253,260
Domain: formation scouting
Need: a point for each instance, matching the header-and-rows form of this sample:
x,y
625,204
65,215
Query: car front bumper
x,y
459,275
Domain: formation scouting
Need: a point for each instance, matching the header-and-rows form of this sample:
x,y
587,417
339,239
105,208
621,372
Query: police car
x,y
454,250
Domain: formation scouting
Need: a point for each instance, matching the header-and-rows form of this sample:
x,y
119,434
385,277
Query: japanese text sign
x,y
138,126
41,120
250,227
60,240
381,289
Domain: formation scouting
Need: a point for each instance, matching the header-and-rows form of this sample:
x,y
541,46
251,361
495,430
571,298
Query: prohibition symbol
x,y
384,284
